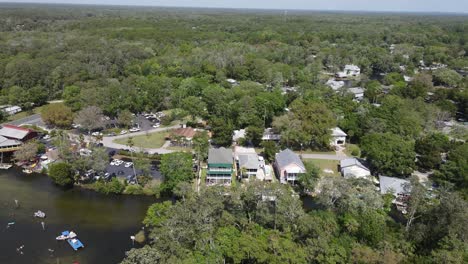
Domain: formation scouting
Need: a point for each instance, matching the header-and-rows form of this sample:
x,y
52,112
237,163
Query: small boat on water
x,y
75,243
5,166
39,214
66,235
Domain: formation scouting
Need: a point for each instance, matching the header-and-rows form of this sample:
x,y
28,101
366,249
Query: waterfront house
x,y
17,133
353,168
249,164
288,166
220,166
338,137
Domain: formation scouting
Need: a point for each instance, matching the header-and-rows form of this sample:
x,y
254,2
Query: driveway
x,y
108,141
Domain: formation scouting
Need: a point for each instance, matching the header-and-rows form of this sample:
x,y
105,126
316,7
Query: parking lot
x,y
122,171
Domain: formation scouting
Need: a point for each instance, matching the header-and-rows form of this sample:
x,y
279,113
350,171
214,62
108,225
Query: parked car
x,y
120,172
123,132
134,129
128,164
96,134
111,134
156,125
46,137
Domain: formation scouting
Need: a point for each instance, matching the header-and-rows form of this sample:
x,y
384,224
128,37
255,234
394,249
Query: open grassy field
x,y
325,165
152,140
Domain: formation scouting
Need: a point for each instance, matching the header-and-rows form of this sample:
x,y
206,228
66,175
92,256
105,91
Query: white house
x,y
357,92
248,163
353,168
11,110
335,85
338,137
288,166
349,71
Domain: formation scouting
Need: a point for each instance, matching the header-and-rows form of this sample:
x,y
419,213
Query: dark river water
x,y
104,223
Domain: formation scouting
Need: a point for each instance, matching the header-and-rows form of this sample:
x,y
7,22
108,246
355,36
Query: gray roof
x,y
356,90
13,132
287,157
392,185
351,162
249,161
337,132
5,142
220,156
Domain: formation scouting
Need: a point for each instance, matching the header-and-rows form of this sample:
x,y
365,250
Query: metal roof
x,y
337,132
351,162
5,142
15,132
249,161
287,157
392,185
220,156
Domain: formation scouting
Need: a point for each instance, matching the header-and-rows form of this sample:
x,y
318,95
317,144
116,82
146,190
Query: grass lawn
x,y
310,151
180,149
325,164
153,140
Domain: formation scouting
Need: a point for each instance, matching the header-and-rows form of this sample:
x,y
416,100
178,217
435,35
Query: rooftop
x,y
5,142
337,132
186,132
351,162
287,157
14,132
220,156
392,185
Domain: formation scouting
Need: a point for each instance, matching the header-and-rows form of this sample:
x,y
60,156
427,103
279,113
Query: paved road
x,y
108,141
29,120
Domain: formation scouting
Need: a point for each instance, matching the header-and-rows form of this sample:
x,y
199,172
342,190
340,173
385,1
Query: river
x,y
104,223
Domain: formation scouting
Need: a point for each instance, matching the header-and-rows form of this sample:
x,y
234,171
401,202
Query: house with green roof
x,y
220,166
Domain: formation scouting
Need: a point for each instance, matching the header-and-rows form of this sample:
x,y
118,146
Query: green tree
x,y
222,131
61,173
57,115
309,179
269,150
254,135
447,77
26,152
72,98
90,118
175,168
194,106
125,118
429,149
389,154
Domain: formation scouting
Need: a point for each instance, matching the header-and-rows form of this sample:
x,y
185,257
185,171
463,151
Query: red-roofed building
x,y
17,133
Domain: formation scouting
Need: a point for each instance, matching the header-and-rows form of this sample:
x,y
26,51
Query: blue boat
x,y
75,243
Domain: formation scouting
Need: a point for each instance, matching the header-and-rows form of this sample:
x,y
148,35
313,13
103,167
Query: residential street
x,y
107,141
29,120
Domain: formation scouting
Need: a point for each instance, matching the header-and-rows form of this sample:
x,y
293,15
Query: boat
x,y
27,171
5,166
66,235
75,243
39,214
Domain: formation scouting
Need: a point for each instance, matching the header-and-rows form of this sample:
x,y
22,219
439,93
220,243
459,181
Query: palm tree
x,y
130,145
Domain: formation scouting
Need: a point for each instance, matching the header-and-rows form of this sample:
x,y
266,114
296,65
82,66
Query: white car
x,y
123,132
156,125
128,164
134,129
112,163
96,134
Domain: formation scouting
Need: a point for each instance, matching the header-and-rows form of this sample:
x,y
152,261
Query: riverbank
x,y
104,223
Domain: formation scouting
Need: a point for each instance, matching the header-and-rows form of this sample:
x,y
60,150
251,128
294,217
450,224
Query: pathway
x,y
108,141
